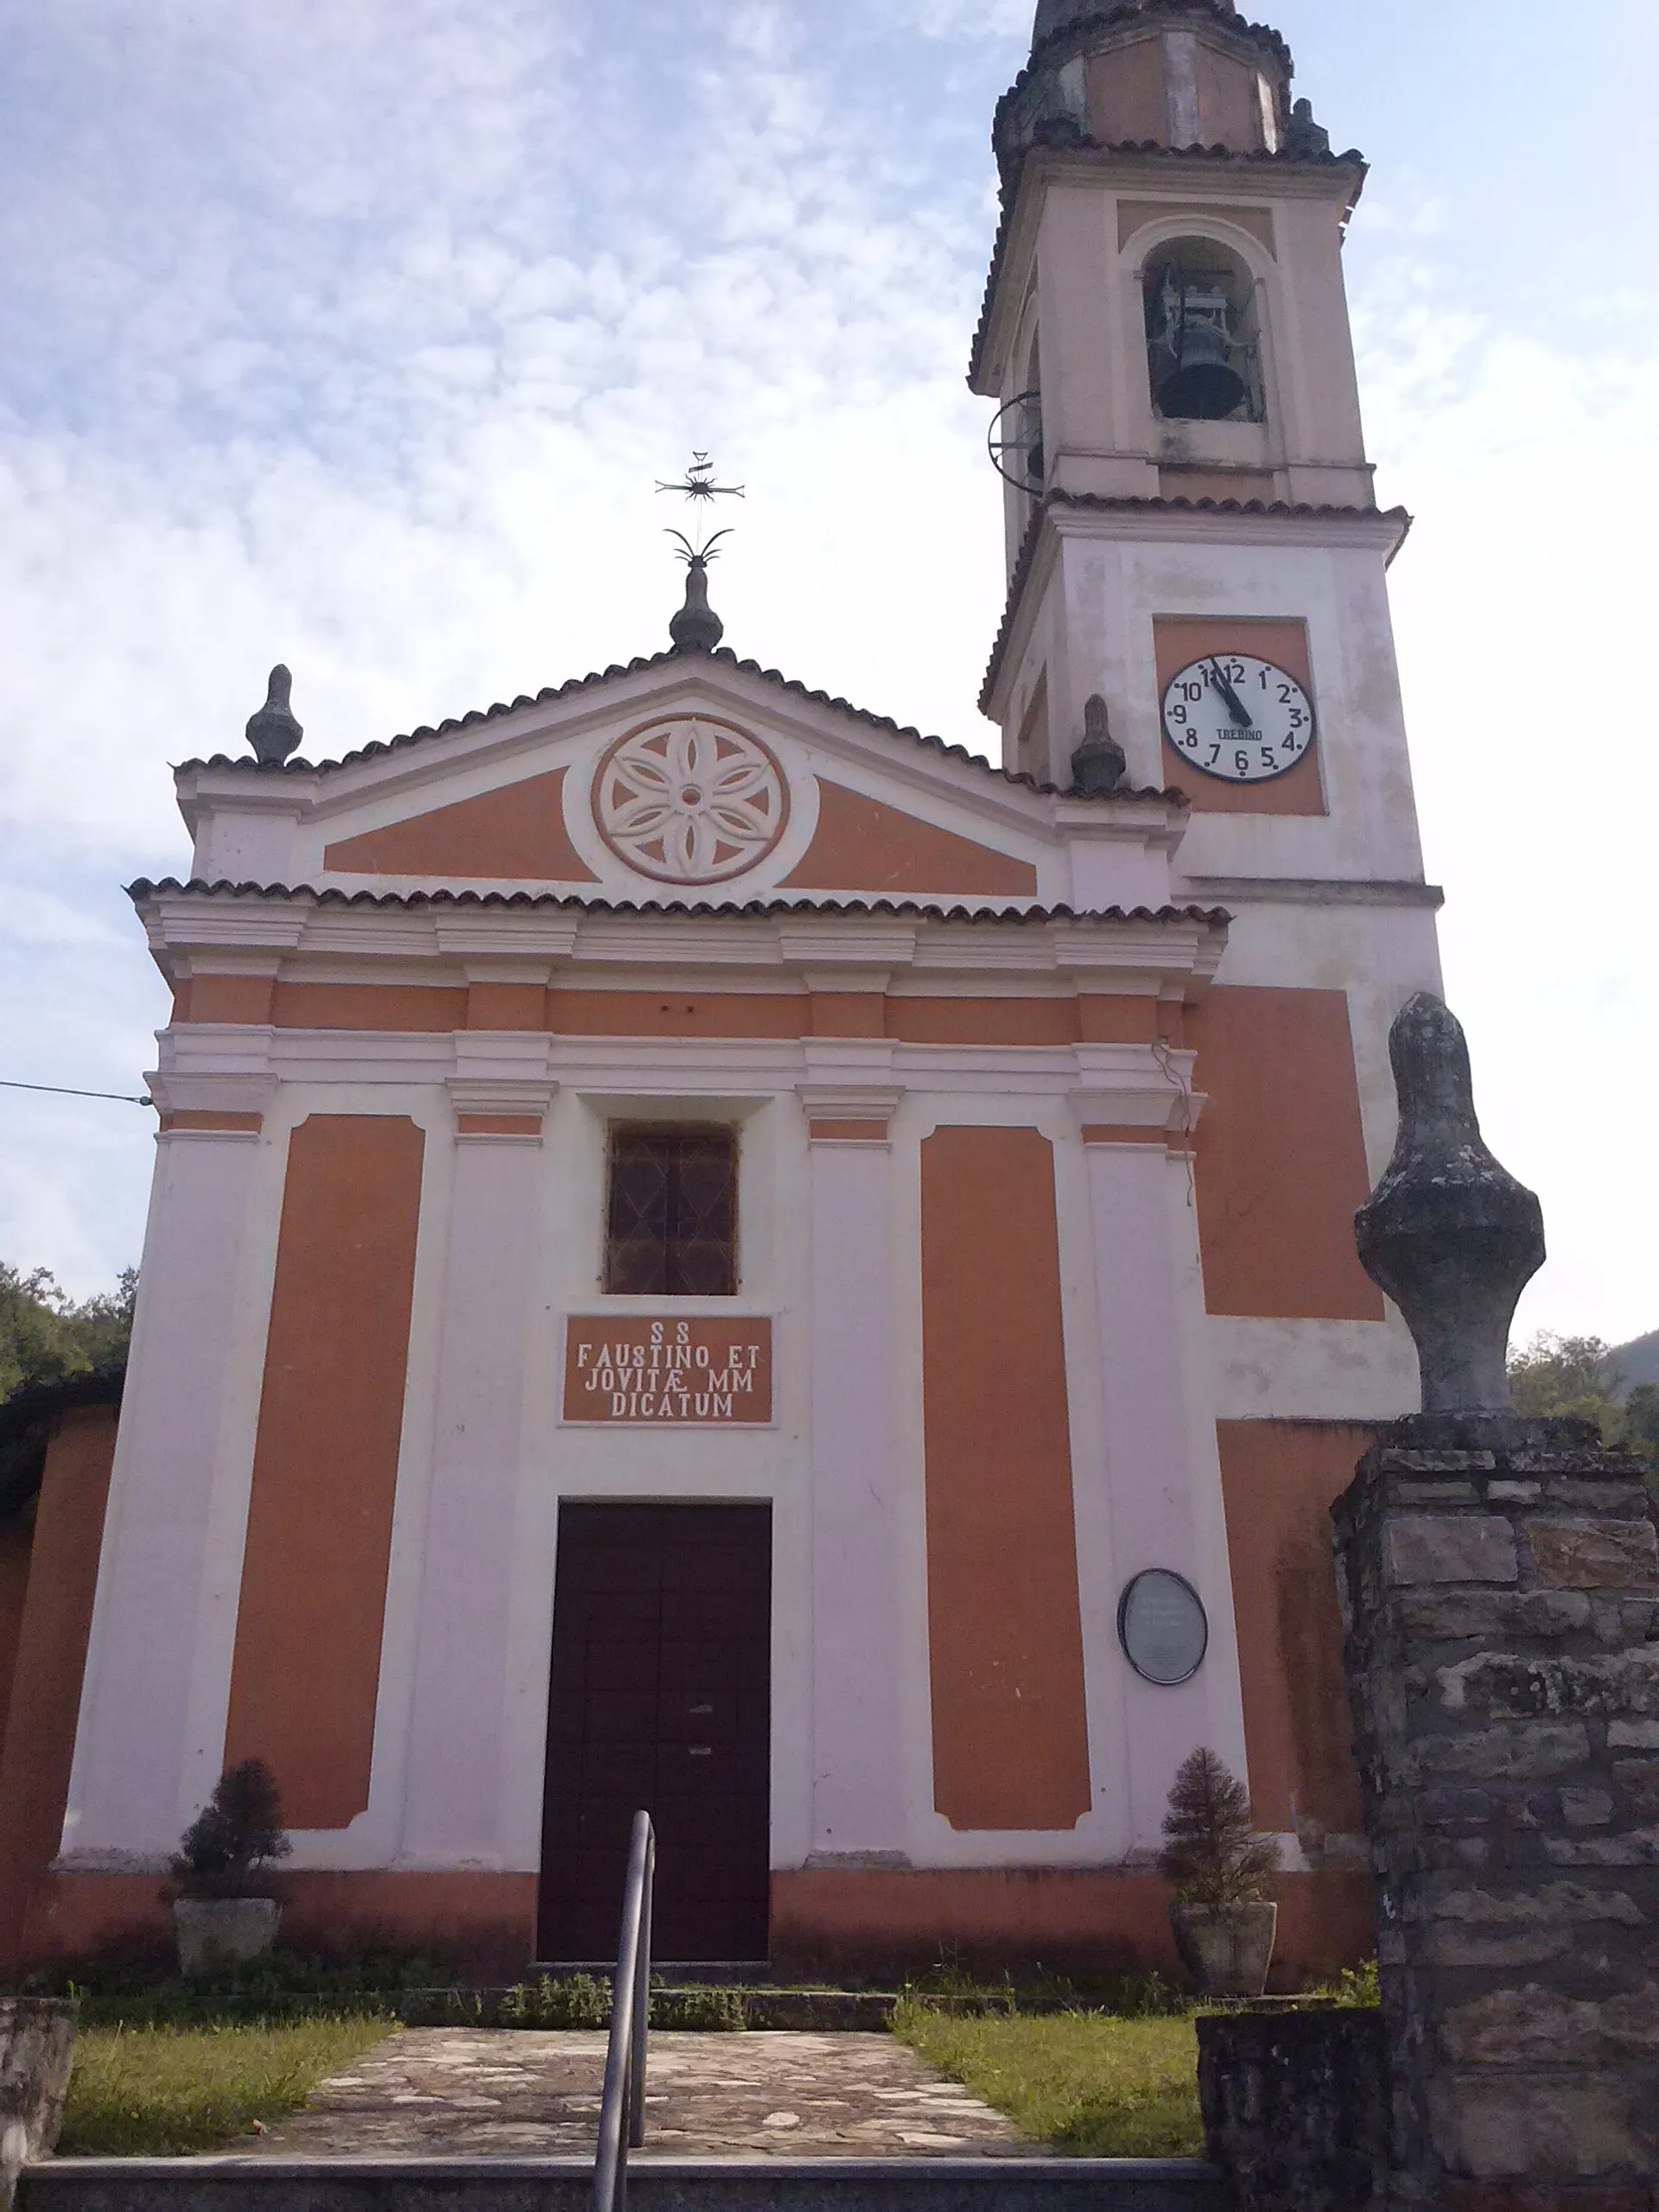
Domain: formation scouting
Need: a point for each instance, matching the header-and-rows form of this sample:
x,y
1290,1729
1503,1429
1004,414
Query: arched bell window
x,y
1203,334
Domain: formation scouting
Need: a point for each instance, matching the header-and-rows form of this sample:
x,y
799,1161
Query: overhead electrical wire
x,y
60,1091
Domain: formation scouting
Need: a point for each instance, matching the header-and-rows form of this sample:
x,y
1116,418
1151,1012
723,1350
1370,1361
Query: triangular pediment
x,y
689,777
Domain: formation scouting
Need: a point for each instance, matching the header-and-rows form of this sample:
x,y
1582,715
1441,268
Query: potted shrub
x,y
227,1894
1223,1921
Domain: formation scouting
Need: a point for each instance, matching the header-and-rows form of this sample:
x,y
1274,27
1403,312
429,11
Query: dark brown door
x,y
660,1700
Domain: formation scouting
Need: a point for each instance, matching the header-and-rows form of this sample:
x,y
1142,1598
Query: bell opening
x,y
1203,335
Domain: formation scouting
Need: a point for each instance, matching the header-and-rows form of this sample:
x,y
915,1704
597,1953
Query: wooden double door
x,y
661,1701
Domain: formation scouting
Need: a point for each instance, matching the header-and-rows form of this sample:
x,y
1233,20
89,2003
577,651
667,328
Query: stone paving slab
x,y
522,2093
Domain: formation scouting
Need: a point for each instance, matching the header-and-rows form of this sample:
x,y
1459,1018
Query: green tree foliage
x,y
1580,1375
231,1849
1210,1851
45,1336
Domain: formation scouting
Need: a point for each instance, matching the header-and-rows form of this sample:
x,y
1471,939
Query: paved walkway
x,y
519,2093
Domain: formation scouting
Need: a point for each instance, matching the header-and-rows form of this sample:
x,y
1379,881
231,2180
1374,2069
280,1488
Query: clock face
x,y
1238,718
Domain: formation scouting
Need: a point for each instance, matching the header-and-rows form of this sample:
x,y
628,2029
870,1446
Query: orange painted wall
x,y
1127,100
1180,640
990,1019
516,834
1278,1480
307,1669
860,844
1065,1918
1281,1166
426,1009
1010,1731
983,1021
51,1656
485,1922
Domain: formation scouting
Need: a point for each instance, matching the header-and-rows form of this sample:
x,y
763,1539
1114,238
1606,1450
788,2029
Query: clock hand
x,y
1236,707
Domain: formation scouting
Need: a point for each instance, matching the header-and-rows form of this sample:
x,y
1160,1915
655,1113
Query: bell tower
x,y
1192,535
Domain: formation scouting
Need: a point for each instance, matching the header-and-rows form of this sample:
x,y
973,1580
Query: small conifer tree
x,y
231,1849
1211,1853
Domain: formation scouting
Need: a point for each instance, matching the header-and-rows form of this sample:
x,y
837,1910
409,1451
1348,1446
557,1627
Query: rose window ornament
x,y
690,800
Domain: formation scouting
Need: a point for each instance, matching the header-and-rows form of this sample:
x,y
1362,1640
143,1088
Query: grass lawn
x,y
139,2092
1083,2084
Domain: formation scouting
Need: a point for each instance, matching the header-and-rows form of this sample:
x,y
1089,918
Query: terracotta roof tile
x,y
698,909
1026,556
247,765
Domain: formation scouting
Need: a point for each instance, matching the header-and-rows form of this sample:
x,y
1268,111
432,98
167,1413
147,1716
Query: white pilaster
x,y
136,1764
1162,1472
454,1809
856,1752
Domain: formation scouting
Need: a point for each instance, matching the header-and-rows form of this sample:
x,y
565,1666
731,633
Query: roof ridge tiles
x,y
247,766
144,888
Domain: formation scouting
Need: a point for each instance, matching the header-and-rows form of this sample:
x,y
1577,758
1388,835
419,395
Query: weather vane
x,y
696,627
698,484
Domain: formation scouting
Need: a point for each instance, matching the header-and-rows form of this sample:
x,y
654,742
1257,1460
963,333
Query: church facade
x,y
711,1252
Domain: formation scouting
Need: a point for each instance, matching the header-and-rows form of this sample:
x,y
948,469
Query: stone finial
x,y
1449,1234
1305,140
273,733
1099,763
697,628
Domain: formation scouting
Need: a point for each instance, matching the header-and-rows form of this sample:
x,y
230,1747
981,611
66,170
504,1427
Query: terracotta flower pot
x,y
215,1932
1227,1949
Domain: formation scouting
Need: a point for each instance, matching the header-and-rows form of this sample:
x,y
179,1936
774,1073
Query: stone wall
x,y
1500,1582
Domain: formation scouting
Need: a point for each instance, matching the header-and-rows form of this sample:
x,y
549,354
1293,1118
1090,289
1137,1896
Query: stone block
x,y
1595,1555
1507,1493
1637,1847
1455,1946
1548,1904
1514,1685
1537,1751
1538,2127
1391,1461
1445,1807
1295,2107
1633,1735
1437,1494
1638,1781
1586,1808
1527,2026
1453,1547
1455,1616
1585,1497
1534,2026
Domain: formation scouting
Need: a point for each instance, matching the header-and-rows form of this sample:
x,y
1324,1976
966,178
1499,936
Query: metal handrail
x,y
622,2109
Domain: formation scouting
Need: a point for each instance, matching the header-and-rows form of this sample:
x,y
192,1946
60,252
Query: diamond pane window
x,y
671,1227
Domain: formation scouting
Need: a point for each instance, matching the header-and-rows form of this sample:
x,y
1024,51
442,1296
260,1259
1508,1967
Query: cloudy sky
x,y
357,334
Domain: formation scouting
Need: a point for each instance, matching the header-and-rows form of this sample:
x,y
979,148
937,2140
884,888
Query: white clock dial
x,y
1238,718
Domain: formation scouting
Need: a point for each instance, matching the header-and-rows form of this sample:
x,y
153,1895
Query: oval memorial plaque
x,y
1163,1628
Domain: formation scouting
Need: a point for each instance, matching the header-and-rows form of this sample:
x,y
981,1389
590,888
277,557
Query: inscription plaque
x,y
1163,1628
644,1371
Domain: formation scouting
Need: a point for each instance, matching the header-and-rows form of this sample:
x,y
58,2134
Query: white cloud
x,y
1523,610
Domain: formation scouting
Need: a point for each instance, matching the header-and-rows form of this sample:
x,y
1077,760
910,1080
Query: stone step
x,y
985,2184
